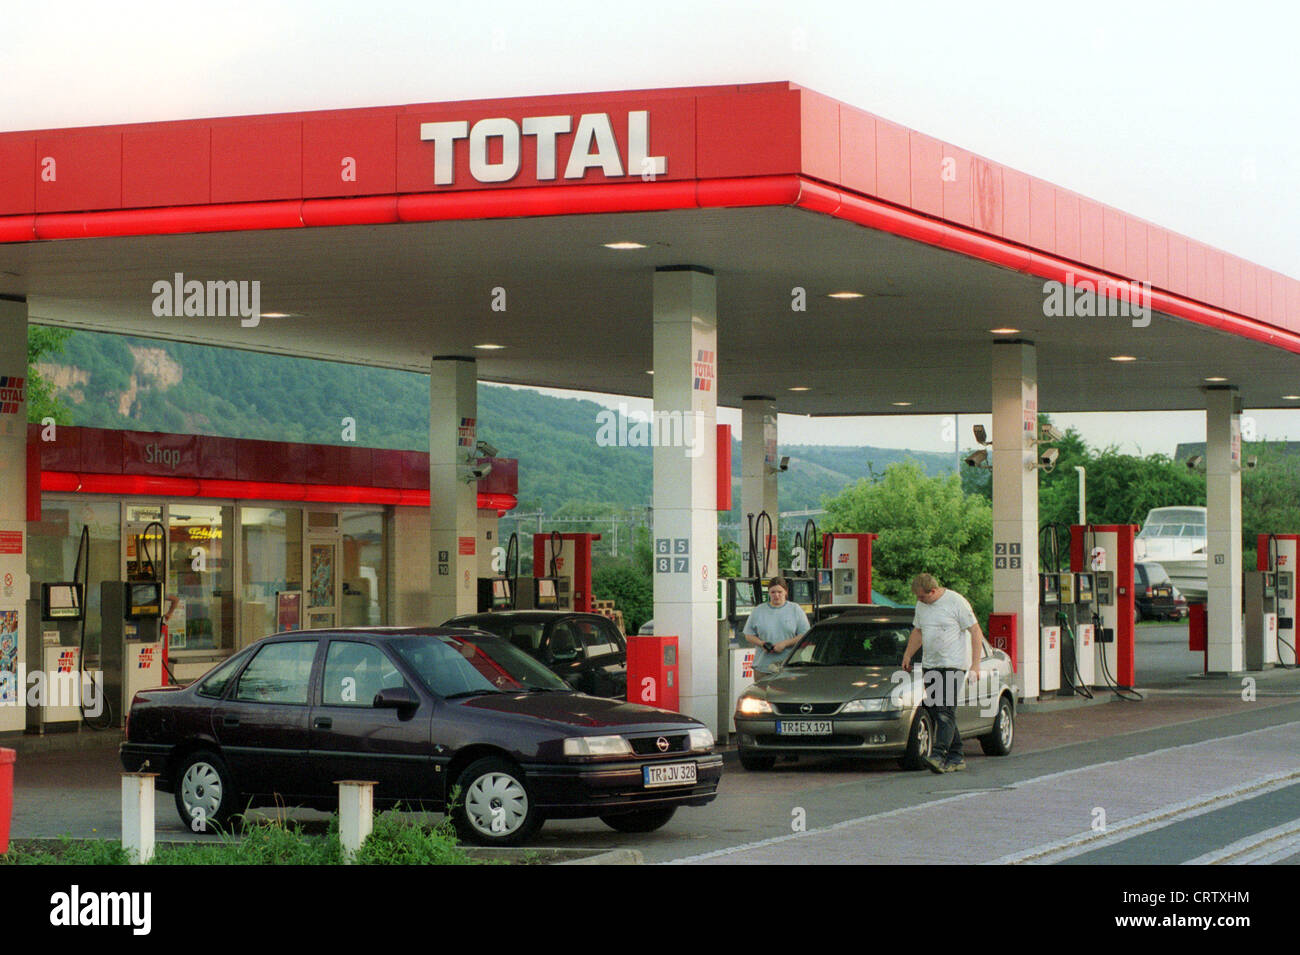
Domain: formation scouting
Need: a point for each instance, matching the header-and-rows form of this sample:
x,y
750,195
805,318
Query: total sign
x,y
601,143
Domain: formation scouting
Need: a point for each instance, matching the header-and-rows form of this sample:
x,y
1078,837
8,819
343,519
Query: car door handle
x,y
230,721
323,723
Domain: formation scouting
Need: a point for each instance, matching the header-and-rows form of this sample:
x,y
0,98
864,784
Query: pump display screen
x,y
500,592
1048,589
61,601
545,597
1083,583
144,599
746,595
803,590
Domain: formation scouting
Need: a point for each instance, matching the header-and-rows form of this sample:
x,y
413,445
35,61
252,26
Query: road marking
x,y
1052,852
968,794
1261,848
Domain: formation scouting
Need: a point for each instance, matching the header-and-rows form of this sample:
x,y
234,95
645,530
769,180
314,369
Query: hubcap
x,y
496,804
923,738
1004,719
201,790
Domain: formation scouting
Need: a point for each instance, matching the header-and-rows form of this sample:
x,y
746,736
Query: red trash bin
x,y
7,757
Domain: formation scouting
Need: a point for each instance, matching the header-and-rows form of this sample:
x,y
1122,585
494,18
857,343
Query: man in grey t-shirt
x,y
775,627
939,626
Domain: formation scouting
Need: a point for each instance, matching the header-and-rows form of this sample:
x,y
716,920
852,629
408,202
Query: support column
x,y
758,491
1015,499
1223,529
685,480
453,489
14,587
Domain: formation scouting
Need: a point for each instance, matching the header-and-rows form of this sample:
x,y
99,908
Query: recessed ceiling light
x,y
1216,378
1003,331
276,314
650,372
798,388
621,246
1122,358
489,346
901,404
844,295
1291,397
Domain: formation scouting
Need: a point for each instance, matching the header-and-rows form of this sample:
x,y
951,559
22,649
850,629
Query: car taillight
x,y
1148,593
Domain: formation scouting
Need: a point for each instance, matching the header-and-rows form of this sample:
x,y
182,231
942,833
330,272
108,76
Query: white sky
x,y
1185,114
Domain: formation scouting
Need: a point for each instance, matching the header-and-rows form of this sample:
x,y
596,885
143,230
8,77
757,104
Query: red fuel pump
x,y
848,558
566,560
1106,551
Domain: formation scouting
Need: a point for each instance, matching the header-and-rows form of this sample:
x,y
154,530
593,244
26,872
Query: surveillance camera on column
x,y
1047,460
1195,462
486,450
978,459
981,436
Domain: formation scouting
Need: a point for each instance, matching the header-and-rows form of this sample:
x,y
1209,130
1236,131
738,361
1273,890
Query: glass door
x,y
322,571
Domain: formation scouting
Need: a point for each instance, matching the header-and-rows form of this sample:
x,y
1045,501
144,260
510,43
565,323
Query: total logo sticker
x,y
146,658
67,661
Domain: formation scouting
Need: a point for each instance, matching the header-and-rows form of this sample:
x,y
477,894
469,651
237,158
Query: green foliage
x,y
66,851
398,839
621,580
925,524
43,344
1270,497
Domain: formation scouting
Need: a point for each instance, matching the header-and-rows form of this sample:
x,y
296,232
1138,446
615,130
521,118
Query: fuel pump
x,y
562,571
1106,552
848,558
56,616
803,576
1259,594
1278,553
1085,631
498,591
131,648
1049,603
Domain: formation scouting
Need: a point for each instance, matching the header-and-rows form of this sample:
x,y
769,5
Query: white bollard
x,y
356,814
137,816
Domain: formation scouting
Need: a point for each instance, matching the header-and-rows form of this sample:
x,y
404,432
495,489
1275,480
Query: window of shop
x,y
52,550
272,571
200,577
365,574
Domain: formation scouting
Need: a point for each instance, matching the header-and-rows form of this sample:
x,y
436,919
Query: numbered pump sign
x,y
672,555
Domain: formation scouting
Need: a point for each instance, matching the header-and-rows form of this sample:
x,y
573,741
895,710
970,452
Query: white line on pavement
x,y
1260,847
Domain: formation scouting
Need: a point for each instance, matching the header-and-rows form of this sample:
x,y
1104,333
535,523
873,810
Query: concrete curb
x,y
613,857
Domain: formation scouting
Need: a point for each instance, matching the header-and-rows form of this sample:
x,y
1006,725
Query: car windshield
x,y
861,642
472,663
524,634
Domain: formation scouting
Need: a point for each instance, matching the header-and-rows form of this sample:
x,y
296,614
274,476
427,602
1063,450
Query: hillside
x,y
110,381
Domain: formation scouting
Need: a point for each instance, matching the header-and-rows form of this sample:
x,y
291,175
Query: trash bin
x,y
7,757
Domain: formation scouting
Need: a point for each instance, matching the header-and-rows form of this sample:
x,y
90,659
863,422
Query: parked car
x,y
1153,593
585,650
842,692
424,712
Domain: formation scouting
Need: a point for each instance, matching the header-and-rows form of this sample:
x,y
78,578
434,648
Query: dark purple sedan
x,y
432,715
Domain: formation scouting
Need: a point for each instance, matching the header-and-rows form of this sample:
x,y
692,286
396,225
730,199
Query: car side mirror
x,y
400,698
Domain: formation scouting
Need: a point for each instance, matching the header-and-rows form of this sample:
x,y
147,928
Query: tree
x,y
925,524
41,399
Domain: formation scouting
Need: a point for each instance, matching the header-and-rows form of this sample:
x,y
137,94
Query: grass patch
x,y
395,840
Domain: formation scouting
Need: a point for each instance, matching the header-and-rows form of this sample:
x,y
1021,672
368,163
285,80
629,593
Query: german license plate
x,y
1163,592
668,774
804,727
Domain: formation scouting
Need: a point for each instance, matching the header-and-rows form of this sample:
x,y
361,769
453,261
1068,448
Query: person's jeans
x,y
943,687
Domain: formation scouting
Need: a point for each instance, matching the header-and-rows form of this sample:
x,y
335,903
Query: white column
x,y
453,490
758,490
14,587
685,480
1015,499
138,816
1223,529
356,815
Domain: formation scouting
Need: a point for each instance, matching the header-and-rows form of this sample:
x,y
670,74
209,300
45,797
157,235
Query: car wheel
x,y
644,820
495,807
205,792
919,741
999,739
756,764
1137,615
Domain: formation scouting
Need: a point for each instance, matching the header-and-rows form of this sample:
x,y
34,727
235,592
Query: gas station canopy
x,y
386,236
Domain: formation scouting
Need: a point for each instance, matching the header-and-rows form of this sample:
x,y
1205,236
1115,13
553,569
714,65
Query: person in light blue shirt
x,y
775,627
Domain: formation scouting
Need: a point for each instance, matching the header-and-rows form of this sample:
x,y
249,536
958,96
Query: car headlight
x,y
701,740
753,706
877,705
597,746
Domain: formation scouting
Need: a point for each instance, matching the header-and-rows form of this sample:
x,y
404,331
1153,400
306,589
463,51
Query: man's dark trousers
x,y
943,686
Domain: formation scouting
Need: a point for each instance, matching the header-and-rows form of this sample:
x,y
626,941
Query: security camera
x,y
486,450
785,463
478,471
1047,460
978,459
1252,462
981,435
1050,433
1194,462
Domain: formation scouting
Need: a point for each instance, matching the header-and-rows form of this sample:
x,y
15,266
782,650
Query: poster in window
x,y
288,610
9,656
322,575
